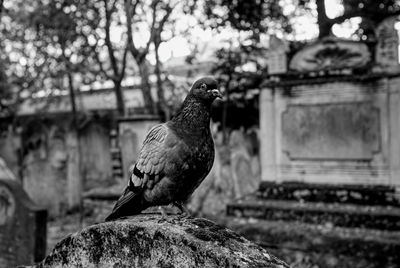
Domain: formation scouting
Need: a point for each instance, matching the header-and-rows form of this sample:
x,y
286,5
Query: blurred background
x,y
307,150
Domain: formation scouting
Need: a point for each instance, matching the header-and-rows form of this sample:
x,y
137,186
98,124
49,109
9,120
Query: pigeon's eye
x,y
203,86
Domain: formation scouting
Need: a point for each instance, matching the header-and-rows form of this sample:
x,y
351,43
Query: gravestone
x,y
22,226
245,179
387,54
132,132
277,59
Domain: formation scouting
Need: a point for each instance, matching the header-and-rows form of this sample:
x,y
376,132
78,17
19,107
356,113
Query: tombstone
x,y
22,226
132,132
277,60
387,53
244,179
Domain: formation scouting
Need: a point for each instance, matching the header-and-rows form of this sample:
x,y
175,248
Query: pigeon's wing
x,y
148,170
152,157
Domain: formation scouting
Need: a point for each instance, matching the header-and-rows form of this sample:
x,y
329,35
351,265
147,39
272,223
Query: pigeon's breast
x,y
185,169
203,158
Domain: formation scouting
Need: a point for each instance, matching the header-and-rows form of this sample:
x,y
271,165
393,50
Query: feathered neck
x,y
194,114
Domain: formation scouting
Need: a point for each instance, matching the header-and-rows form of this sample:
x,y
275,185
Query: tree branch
x,y
108,38
362,13
130,11
95,53
123,65
143,53
1,7
168,10
347,15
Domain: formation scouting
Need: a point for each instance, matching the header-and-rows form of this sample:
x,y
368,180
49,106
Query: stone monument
x,y
387,48
276,56
328,126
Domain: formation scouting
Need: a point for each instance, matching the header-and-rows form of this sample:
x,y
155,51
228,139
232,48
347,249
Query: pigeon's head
x,y
206,88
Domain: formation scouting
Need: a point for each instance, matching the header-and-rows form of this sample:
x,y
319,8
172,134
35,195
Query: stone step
x,y
338,193
321,245
335,214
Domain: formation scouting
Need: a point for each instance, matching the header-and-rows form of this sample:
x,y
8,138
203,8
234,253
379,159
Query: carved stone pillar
x,y
267,134
394,123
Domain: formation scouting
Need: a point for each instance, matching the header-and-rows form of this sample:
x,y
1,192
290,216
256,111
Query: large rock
x,y
150,241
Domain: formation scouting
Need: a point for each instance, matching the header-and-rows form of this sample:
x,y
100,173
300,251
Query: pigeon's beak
x,y
216,93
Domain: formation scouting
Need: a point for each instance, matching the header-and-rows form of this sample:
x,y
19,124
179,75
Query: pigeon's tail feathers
x,y
130,203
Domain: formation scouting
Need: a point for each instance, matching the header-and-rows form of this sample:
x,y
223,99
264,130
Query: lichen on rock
x,y
148,240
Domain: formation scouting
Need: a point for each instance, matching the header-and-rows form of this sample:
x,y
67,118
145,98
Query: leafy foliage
x,y
62,44
371,12
240,63
43,45
253,15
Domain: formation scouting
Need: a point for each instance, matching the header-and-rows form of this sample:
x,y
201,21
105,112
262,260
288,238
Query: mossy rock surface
x,y
150,241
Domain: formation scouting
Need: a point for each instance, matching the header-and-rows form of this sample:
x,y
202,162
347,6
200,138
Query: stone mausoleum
x,y
323,127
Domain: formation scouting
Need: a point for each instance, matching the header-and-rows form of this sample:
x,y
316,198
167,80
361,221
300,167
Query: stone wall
x,y
48,160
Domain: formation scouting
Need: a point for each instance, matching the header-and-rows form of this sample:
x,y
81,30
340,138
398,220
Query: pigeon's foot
x,y
184,216
184,212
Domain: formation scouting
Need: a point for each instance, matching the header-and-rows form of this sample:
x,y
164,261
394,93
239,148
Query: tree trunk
x,y
146,88
119,97
74,176
72,97
162,105
324,23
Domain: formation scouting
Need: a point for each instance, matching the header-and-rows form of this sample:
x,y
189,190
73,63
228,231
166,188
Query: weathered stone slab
x,y
22,226
276,56
148,241
331,131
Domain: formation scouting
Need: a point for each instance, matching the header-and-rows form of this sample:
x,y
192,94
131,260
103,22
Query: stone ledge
x,y
346,215
329,193
148,241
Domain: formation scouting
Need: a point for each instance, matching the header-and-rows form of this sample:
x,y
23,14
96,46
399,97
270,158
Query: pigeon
x,y
175,156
